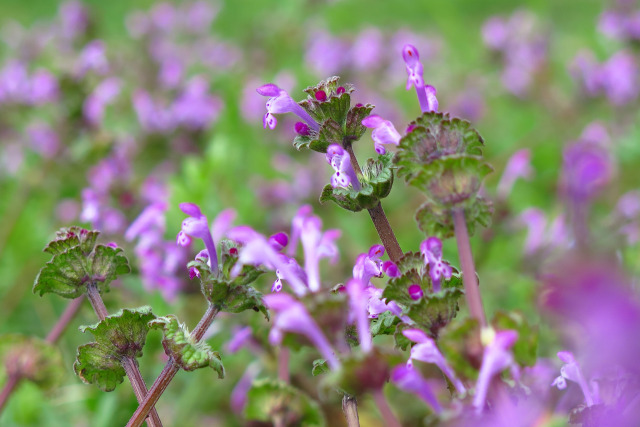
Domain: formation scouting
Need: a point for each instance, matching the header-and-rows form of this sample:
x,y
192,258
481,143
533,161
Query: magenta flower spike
x,y
408,379
431,249
426,351
340,161
496,358
426,93
358,304
317,245
280,102
150,218
383,132
292,316
571,371
197,226
369,265
257,250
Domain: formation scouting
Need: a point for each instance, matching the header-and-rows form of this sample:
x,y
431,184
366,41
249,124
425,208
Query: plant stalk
x,y
52,337
350,409
169,371
379,218
469,279
130,365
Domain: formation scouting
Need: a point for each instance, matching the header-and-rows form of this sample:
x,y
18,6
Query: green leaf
x,y
435,136
526,348
185,351
354,129
70,272
436,220
454,181
320,367
402,342
67,238
270,399
435,311
384,324
330,133
118,336
376,182
33,358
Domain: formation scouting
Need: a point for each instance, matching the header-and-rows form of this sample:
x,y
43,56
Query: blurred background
x,y
108,107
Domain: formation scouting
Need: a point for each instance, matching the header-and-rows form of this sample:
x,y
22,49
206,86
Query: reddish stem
x,y
350,409
469,279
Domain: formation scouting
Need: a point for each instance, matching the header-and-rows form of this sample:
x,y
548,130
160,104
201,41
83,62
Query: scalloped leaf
x,y
384,324
330,133
185,351
269,399
376,182
118,336
435,136
68,273
35,359
455,181
434,312
435,220
354,129
67,238
320,367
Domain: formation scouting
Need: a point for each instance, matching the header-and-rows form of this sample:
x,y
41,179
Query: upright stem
x,y
63,321
283,364
170,370
350,409
379,218
130,365
471,289
390,420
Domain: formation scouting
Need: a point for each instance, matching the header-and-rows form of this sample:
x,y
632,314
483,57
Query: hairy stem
x,y
379,218
169,371
471,289
350,409
130,365
63,321
390,420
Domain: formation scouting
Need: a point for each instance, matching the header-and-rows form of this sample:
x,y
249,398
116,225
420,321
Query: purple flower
x,y
495,33
196,225
292,316
383,132
415,292
426,351
571,371
280,102
316,245
587,169
256,250
431,250
408,379
377,305
426,93
340,161
518,166
327,55
304,212
496,358
238,397
152,217
44,87
43,139
103,95
369,265
367,48
93,58
74,19
390,269
14,83
620,81
358,306
194,108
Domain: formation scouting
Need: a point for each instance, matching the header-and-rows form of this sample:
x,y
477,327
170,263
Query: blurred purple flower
x,y
43,139
93,57
238,397
44,87
620,78
196,225
358,306
103,95
366,51
571,371
495,33
74,19
587,168
326,55
292,316
408,379
195,108
518,166
316,245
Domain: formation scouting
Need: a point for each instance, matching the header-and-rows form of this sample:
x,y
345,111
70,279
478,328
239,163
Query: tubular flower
x,y
431,249
292,316
340,161
358,304
383,132
496,358
369,265
408,379
280,102
426,351
317,244
426,93
196,225
571,371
